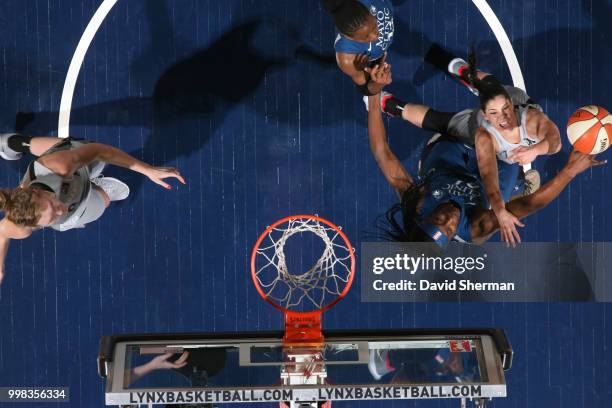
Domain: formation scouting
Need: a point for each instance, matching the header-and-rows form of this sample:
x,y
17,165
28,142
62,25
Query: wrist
x,y
497,204
140,167
140,371
374,103
374,87
543,147
568,173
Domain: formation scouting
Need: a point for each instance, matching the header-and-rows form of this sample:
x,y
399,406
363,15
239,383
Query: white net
x,y
308,288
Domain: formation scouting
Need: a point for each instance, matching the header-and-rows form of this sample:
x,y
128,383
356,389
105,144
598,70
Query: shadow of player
x,y
540,53
204,86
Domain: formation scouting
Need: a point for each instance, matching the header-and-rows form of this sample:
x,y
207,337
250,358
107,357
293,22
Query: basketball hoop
x,y
303,295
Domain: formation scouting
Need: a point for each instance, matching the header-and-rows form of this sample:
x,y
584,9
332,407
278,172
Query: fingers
x,y
373,71
509,233
502,233
361,61
510,237
161,182
381,73
161,173
506,236
516,236
164,363
165,356
517,153
176,364
175,173
183,359
387,71
579,162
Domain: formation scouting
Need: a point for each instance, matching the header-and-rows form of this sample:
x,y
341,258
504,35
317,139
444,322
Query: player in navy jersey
x,y
365,33
447,201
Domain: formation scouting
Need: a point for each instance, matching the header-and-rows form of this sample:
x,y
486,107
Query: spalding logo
x,y
603,145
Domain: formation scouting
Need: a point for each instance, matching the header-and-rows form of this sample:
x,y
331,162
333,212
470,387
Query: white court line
x,y
63,126
504,42
106,6
506,46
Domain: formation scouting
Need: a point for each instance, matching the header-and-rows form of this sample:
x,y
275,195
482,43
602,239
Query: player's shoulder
x,y
535,116
483,132
348,46
8,229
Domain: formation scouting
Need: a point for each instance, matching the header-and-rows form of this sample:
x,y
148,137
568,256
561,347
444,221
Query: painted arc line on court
x,y
107,5
504,42
63,126
506,46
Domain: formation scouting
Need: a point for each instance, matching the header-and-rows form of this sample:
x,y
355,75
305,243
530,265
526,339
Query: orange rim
x,y
294,217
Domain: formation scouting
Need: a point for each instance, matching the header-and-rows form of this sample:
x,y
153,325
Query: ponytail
x,y
488,88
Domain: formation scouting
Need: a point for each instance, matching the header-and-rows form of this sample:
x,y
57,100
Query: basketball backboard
x,y
350,365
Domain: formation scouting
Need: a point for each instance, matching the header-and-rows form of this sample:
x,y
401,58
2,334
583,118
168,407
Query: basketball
x,y
588,129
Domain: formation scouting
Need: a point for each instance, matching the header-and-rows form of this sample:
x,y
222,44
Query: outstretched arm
x,y
4,244
485,223
158,363
487,166
66,162
393,170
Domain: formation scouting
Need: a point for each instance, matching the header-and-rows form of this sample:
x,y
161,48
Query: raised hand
x,y
524,154
161,361
380,74
361,62
579,162
158,174
507,227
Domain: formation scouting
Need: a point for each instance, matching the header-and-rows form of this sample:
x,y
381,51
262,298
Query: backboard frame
x,y
495,347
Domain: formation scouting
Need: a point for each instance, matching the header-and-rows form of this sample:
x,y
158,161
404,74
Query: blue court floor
x,y
244,97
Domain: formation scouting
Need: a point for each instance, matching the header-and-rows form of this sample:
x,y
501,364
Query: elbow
x,y
102,152
63,169
554,144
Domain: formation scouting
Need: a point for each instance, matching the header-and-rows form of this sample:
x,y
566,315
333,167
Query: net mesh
x,y
313,288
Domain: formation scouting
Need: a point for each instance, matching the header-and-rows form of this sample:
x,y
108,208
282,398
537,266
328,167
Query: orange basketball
x,y
589,129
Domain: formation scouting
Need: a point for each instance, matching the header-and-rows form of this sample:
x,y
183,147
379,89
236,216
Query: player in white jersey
x,y
508,127
63,187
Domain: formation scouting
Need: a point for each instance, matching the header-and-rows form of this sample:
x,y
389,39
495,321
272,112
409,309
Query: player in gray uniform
x,y
63,188
509,127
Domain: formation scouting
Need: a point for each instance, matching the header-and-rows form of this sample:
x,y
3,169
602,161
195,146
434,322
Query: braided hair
x,y
348,15
390,229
